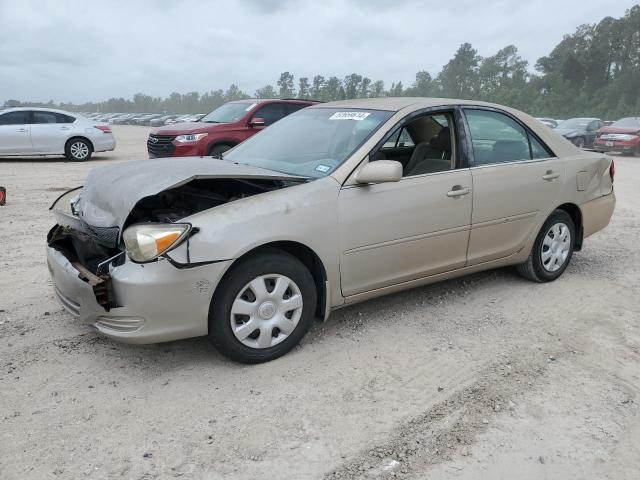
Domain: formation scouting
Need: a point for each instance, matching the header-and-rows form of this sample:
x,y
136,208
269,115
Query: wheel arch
x,y
309,259
575,213
80,137
224,141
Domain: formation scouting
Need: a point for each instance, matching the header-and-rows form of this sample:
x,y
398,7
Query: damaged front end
x,y
88,249
98,230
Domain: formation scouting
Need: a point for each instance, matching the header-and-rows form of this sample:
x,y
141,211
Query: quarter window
x,y
497,138
14,118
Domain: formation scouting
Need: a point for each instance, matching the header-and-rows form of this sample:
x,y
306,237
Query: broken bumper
x,y
155,302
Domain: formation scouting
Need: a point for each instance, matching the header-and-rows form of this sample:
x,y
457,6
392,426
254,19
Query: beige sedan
x,y
335,204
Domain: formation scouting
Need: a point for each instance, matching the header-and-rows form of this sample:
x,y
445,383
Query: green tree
x,y
459,78
303,87
285,84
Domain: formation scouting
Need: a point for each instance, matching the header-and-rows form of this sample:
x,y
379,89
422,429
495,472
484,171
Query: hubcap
x,y
556,246
266,311
79,150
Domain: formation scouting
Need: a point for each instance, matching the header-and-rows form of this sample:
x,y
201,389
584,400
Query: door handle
x,y
550,175
64,128
23,130
458,191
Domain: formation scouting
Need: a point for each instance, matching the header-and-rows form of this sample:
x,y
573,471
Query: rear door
x,y
15,133
49,131
516,181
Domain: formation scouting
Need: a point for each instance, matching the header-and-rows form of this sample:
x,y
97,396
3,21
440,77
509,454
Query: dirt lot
x,y
488,376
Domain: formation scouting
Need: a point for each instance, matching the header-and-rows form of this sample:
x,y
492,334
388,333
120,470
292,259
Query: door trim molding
x,y
413,238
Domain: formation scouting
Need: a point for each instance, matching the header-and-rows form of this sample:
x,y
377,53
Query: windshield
x,y
630,122
229,112
575,123
311,142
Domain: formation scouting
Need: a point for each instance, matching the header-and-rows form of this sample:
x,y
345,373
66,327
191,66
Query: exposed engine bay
x,y
199,195
90,246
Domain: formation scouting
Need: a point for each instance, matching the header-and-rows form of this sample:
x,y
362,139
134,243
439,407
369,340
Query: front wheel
x,y
77,150
552,250
218,150
263,307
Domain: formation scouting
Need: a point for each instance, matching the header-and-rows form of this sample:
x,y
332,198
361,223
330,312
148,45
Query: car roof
x,y
41,109
263,100
583,118
395,104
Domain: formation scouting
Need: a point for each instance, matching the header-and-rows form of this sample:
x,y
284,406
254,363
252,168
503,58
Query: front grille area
x,y
160,145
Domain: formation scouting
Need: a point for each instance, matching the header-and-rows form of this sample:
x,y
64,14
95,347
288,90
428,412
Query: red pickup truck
x,y
222,129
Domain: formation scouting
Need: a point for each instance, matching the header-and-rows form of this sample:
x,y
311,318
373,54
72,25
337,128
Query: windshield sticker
x,y
323,168
250,107
349,116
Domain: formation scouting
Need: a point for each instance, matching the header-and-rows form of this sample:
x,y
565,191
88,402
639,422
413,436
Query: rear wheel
x,y
552,250
78,150
263,307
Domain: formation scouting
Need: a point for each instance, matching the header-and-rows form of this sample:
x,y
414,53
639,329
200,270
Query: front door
x,y
15,135
396,232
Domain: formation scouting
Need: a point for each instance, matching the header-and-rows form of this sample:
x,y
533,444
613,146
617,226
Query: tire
x,y
78,150
266,321
579,142
547,262
217,150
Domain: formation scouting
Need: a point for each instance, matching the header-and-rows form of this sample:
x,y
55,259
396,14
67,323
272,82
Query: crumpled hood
x,y
111,192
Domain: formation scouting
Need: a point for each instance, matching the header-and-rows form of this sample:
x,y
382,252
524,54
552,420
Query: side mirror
x,y
256,122
380,171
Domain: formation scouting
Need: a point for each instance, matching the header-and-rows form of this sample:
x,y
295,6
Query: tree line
x,y
593,72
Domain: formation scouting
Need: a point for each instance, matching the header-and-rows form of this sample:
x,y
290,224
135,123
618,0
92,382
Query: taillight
x,y
612,170
103,128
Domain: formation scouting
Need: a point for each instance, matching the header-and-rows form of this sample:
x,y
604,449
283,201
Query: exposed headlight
x,y
147,241
196,137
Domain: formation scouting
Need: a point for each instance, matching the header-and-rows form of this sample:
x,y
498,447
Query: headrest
x,y
442,141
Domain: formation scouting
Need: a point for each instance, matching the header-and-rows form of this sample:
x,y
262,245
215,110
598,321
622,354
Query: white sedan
x,y
45,131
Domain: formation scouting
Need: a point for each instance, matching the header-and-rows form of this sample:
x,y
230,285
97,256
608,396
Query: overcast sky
x,y
80,50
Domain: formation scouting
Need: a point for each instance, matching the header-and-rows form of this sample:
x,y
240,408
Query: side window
x,y
14,118
43,117
62,118
404,140
538,150
294,107
424,145
496,138
271,113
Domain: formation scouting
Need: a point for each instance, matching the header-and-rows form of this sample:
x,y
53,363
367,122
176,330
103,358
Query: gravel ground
x,y
488,376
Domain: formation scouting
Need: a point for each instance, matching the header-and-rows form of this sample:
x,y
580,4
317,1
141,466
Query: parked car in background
x,y
323,209
221,129
580,131
46,131
160,121
549,122
622,136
